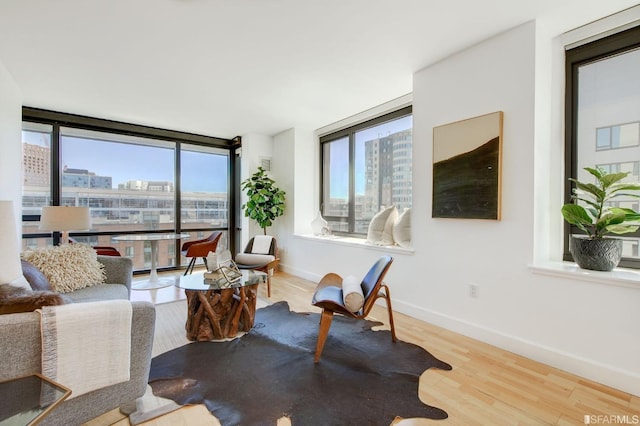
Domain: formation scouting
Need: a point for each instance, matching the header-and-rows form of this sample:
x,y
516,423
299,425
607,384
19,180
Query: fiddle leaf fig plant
x,y
598,219
265,200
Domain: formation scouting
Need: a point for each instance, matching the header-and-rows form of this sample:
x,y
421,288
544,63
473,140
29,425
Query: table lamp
x,y
65,219
10,267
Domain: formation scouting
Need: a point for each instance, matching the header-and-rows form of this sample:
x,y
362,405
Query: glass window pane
x,y
336,178
382,169
615,137
128,182
204,180
609,94
36,171
629,134
603,138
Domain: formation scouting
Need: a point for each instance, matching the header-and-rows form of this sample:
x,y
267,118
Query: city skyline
x,y
124,162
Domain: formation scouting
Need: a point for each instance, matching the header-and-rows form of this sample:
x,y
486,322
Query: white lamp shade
x,y
10,267
65,218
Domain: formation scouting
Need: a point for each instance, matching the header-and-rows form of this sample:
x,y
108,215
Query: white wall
x,y
294,154
254,146
10,142
587,328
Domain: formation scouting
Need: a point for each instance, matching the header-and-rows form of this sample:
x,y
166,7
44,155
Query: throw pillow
x,y
402,229
261,244
380,232
35,277
68,267
352,295
387,231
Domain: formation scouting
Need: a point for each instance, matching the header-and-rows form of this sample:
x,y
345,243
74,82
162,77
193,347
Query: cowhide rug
x,y
362,377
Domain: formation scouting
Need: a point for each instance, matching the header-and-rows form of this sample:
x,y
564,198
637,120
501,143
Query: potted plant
x,y
265,200
597,219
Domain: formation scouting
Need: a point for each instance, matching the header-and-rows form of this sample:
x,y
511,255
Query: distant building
x,y
143,185
160,186
35,160
82,178
388,172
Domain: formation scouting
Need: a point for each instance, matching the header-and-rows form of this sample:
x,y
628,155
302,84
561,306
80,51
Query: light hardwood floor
x,y
487,386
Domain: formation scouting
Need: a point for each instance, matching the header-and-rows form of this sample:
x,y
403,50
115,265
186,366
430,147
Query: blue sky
x,y
200,172
123,162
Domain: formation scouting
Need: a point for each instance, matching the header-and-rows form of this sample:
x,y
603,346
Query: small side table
x,y
27,400
220,311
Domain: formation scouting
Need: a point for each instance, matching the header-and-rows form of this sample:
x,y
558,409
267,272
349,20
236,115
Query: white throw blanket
x,y
87,346
261,244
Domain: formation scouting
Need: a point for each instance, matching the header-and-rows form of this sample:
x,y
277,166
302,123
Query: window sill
x,y
618,277
354,242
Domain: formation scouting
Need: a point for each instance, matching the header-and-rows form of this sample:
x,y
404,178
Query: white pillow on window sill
x,y
380,230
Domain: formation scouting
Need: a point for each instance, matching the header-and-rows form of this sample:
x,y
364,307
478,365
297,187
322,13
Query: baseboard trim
x,y
609,375
300,273
620,379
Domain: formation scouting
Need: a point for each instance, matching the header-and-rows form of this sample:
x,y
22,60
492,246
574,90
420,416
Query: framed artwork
x,y
467,168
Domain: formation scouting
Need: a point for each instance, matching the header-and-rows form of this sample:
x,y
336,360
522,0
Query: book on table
x,y
223,276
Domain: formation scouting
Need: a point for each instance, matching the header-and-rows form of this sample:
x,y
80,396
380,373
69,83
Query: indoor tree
x,y
265,200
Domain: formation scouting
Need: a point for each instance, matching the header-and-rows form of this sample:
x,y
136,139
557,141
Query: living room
x,y
528,301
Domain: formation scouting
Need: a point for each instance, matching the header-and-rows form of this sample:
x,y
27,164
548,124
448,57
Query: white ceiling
x,y
231,67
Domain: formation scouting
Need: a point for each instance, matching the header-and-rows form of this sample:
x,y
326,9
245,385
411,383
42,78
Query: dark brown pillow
x,y
35,277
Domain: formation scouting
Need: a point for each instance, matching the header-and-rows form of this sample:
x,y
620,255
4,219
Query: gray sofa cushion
x,y
99,292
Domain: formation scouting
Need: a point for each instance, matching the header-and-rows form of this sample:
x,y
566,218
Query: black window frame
x,y
608,46
61,119
350,132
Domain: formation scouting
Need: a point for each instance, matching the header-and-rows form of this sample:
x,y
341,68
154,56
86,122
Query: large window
x,y
603,118
134,179
365,168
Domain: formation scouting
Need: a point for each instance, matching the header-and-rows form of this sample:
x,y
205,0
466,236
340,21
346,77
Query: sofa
x,y
21,353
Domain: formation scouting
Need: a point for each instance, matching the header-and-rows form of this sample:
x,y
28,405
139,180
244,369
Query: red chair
x,y
106,251
200,248
101,250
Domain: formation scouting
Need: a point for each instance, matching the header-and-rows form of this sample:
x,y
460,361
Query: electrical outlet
x,y
474,290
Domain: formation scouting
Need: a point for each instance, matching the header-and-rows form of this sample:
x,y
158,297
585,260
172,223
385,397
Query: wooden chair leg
x,y
268,283
325,324
390,311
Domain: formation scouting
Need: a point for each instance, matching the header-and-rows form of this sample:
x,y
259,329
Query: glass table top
x,y
26,400
197,281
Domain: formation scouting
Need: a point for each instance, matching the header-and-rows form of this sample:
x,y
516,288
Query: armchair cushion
x,y
254,259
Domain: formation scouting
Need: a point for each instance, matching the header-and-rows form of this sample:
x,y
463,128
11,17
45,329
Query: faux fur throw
x,y
15,300
68,267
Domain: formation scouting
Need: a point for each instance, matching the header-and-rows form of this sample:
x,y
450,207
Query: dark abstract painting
x,y
467,163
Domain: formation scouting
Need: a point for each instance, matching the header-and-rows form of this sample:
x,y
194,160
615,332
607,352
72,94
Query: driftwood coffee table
x,y
220,311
